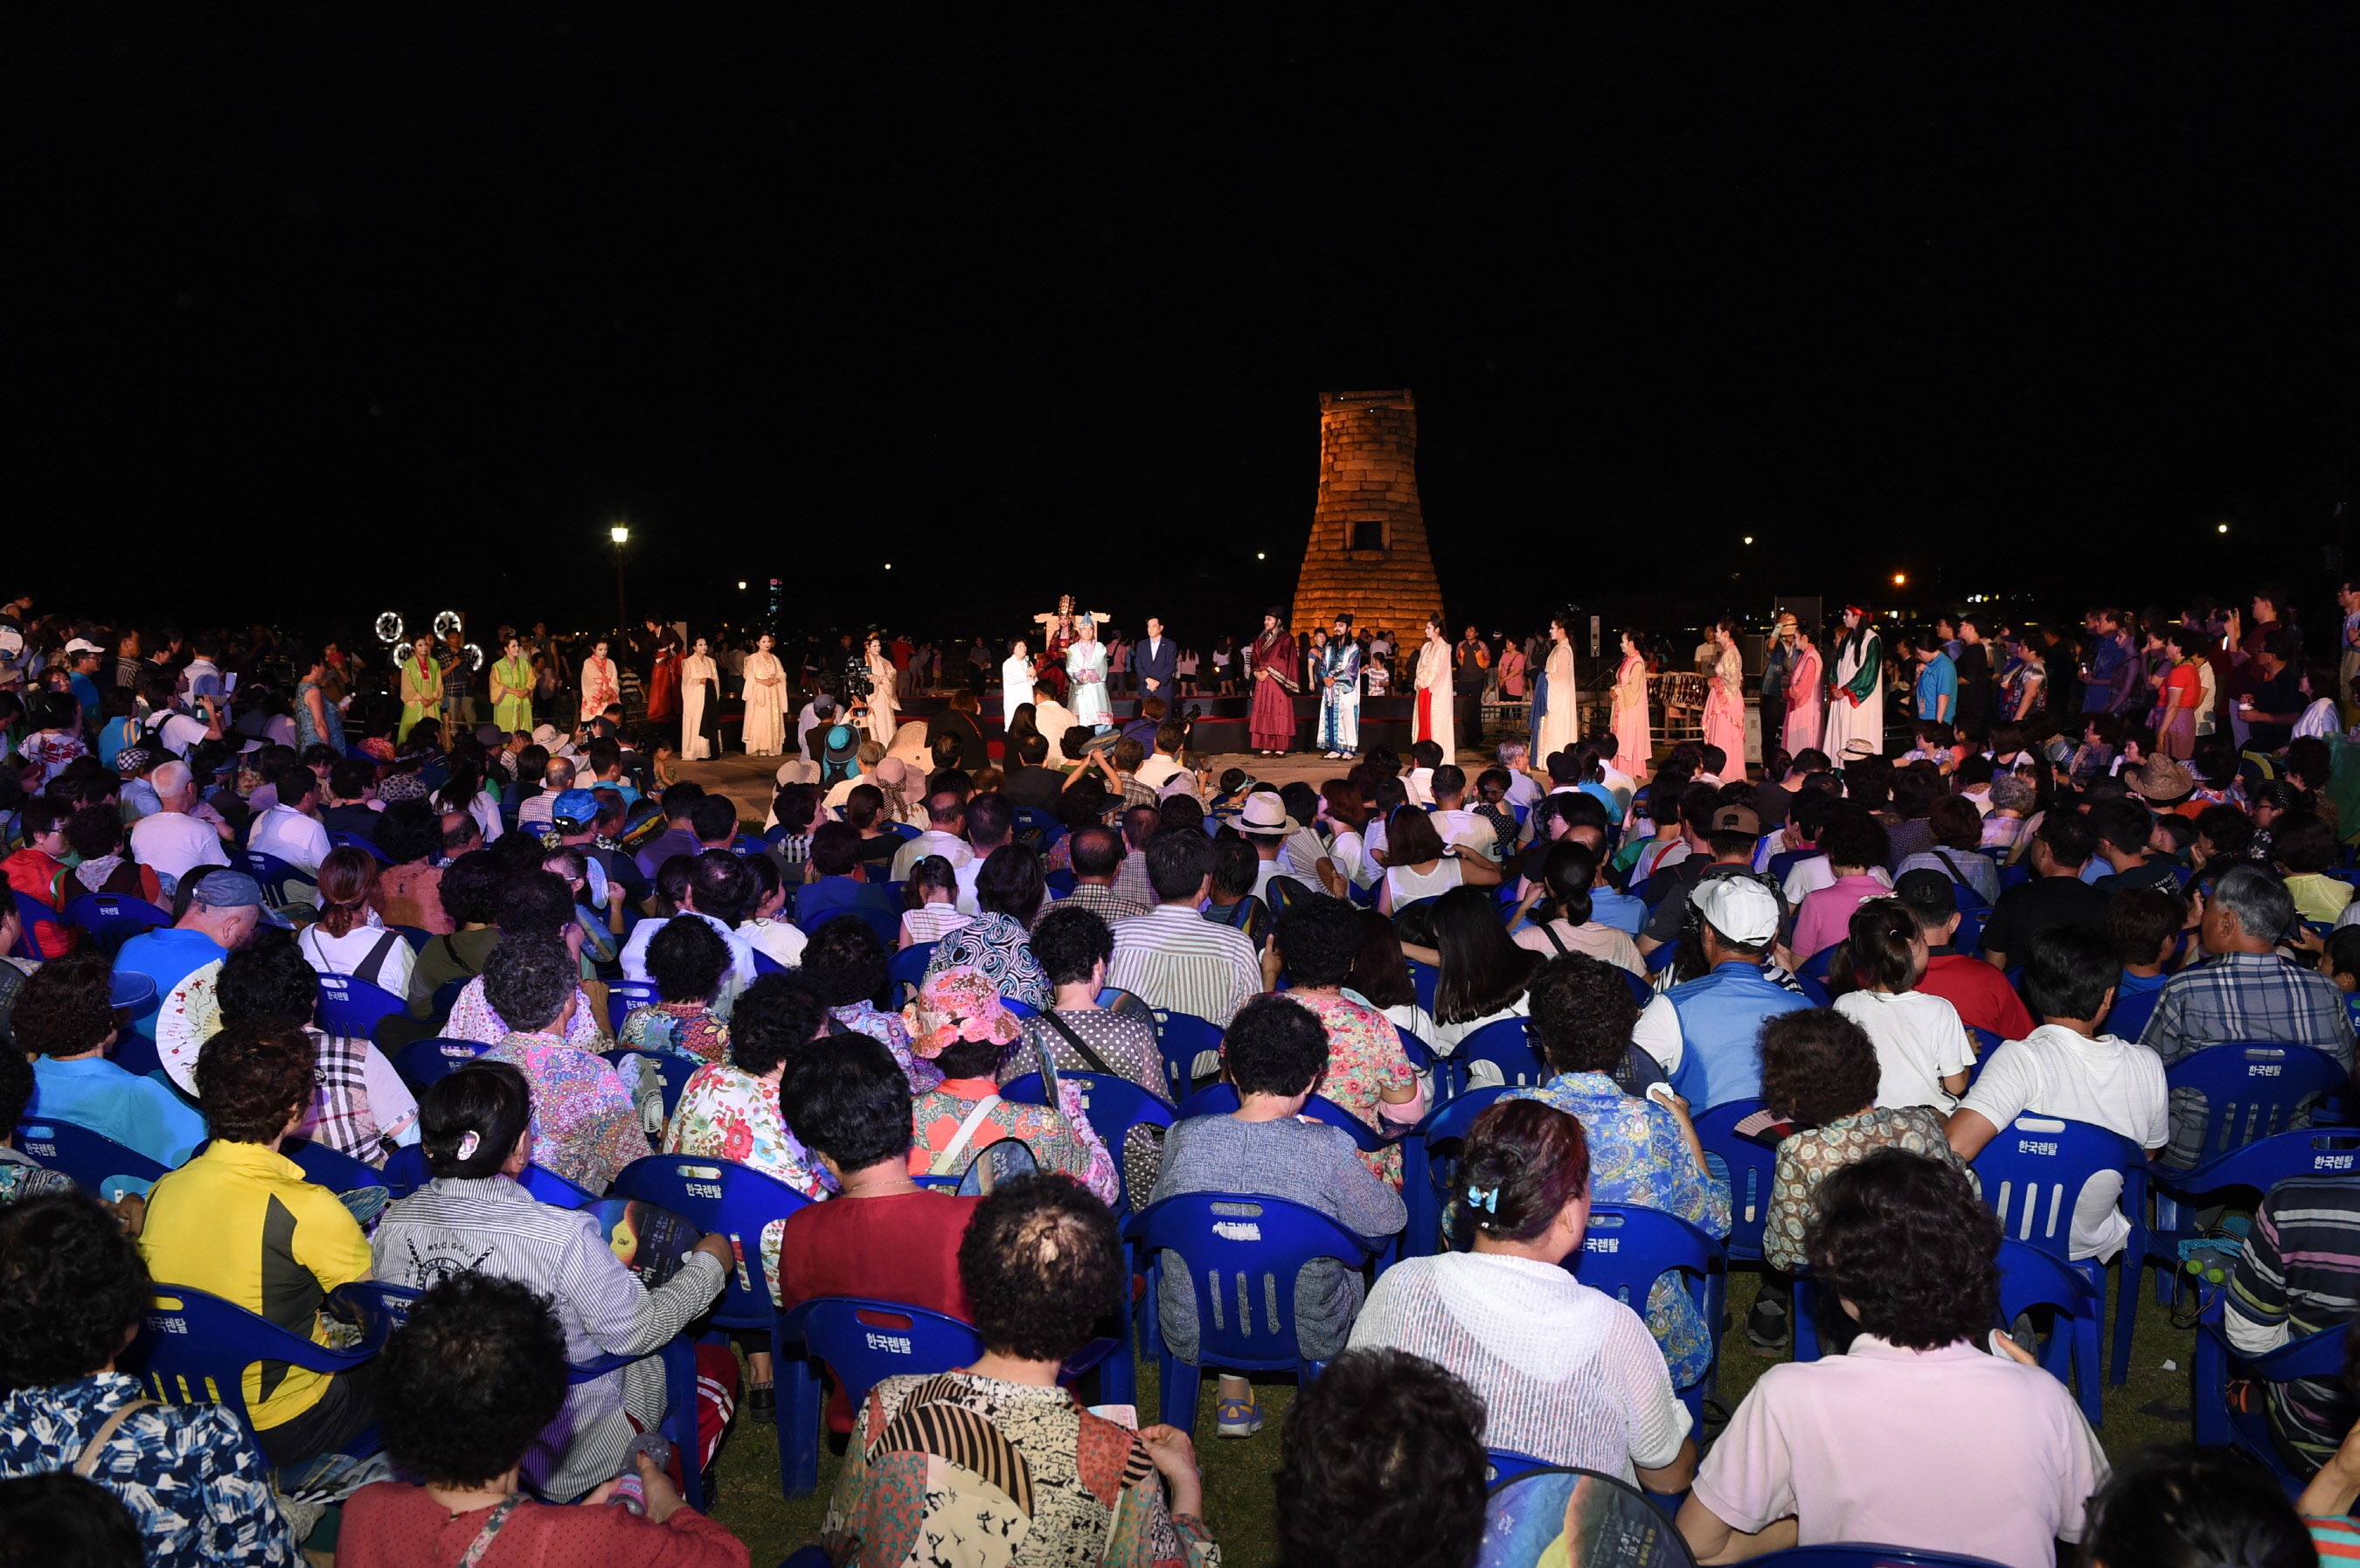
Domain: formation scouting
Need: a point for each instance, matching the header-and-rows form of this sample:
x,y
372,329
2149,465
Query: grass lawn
x,y
1238,1473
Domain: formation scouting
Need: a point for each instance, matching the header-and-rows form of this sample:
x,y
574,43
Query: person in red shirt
x,y
1982,995
33,871
882,1236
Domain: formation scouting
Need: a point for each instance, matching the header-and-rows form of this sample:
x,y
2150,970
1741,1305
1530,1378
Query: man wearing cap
x,y
1978,993
171,841
225,909
1731,833
575,814
818,713
1705,1034
81,657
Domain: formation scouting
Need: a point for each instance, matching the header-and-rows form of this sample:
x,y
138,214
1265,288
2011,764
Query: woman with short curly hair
x,y
1921,1435
73,1291
1040,1261
584,1125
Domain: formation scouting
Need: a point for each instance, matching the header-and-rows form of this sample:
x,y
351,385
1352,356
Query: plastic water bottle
x,y
631,1488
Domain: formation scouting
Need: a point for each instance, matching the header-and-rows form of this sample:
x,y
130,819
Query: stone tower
x,y
1367,555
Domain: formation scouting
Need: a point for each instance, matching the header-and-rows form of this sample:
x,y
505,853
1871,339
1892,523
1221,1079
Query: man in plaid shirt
x,y
2244,991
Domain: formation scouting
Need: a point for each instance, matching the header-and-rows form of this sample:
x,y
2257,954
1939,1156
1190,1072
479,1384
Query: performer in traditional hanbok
x,y
1856,695
1557,702
1807,693
882,705
700,704
512,689
1058,632
1635,750
601,683
663,673
1433,720
1725,702
1337,669
766,700
1271,666
1016,680
421,688
1085,670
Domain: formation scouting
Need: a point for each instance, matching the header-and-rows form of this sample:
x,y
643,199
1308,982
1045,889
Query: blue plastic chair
x,y
1506,1045
2318,1356
328,1168
2032,1277
2252,1089
1004,1159
132,991
1503,1464
351,1007
2032,1172
622,996
1641,992
1061,883
195,1347
1813,992
673,1072
719,1196
1815,967
908,967
2014,876
862,1341
1019,1007
1182,1037
405,1171
766,965
32,915
1628,1248
1237,1247
416,936
1114,1105
1424,977
365,844
1747,1166
98,1164
1030,819
112,920
1428,1159
1221,1099
275,874
425,1062
1858,1554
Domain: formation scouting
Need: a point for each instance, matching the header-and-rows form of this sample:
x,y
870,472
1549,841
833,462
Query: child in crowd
x,y
930,902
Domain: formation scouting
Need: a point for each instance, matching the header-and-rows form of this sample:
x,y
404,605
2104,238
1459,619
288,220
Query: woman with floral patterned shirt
x,y
1820,1070
1368,1072
193,1481
958,1024
1642,1151
997,941
584,1127
845,960
996,1464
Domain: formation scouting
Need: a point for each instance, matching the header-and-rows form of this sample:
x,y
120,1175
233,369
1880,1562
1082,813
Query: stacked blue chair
x,y
1182,1038
1747,1166
1429,1156
351,1008
721,1197
2317,1356
2031,1174
112,920
1233,1247
1627,1248
423,1062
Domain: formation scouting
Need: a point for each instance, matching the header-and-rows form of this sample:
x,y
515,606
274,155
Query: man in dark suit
x,y
1156,663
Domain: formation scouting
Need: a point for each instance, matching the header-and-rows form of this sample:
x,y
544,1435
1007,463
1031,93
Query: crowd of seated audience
x,y
1899,961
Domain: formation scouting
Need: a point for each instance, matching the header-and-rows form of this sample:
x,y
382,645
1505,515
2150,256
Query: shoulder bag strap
x,y
948,1157
375,962
1097,1064
1548,930
1956,874
87,1460
483,1537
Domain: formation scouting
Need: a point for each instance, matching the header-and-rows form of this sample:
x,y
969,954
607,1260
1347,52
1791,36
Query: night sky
x,y
325,312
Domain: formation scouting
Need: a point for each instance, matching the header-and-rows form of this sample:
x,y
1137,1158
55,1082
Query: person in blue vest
x,y
1706,1034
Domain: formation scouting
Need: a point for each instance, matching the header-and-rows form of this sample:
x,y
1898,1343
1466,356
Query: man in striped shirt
x,y
2299,1273
1174,959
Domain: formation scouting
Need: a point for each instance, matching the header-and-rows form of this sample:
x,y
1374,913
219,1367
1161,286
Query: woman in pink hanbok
x,y
1633,749
1725,702
1805,695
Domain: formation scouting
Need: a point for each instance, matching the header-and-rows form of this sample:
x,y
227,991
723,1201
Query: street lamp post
x,y
621,534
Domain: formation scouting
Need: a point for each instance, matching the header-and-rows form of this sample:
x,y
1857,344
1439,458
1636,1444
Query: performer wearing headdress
x,y
1338,667
1271,726
1085,667
1557,704
1057,634
1856,695
1433,720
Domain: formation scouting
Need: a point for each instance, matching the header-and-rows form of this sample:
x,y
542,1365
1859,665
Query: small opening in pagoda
x,y
1369,533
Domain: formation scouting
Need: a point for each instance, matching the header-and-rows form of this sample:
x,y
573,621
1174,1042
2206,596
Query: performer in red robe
x,y
1271,665
663,676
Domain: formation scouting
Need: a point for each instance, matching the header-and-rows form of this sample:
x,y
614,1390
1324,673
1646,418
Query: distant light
x,y
1899,578
620,533
1260,555
2221,527
888,566
1749,538
741,584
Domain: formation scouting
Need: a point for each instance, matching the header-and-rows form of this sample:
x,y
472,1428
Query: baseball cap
x,y
223,889
579,807
1739,908
82,645
1926,889
1736,817
491,735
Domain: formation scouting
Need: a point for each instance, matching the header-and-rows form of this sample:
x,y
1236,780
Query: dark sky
x,y
324,311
